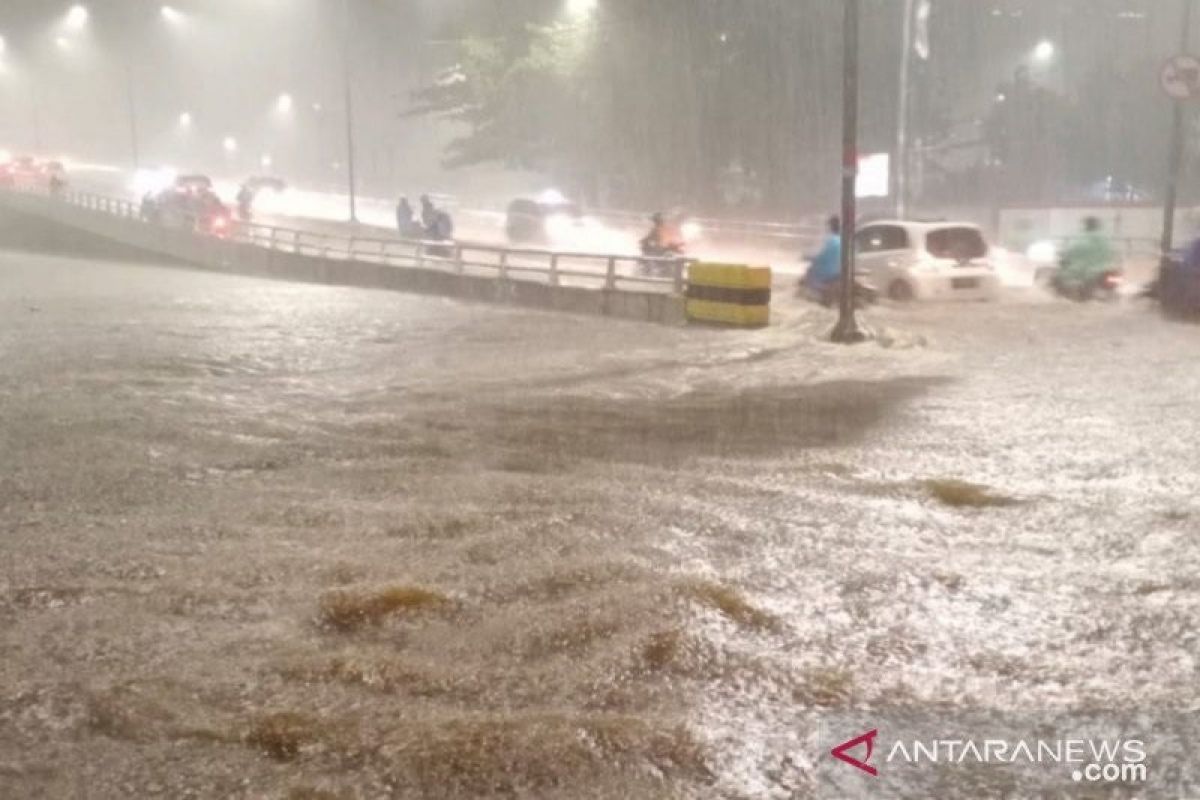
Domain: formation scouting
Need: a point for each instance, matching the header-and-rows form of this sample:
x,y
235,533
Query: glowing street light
x,y
185,120
77,17
230,144
63,43
284,104
580,8
172,15
1044,51
266,161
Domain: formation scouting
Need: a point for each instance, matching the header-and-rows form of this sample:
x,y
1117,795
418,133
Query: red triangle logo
x,y
841,752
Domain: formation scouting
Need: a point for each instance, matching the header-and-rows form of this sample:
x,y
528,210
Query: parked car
x,y
910,261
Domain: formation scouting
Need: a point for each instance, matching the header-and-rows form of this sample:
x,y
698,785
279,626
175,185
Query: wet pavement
x,y
274,540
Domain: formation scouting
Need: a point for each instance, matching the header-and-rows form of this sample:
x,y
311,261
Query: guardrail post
x,y
503,273
295,241
420,255
680,269
554,277
459,266
610,273
351,247
274,239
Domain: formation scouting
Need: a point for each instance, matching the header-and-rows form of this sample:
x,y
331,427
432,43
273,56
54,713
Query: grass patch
x,y
284,734
384,675
538,755
962,494
348,610
435,526
825,687
730,603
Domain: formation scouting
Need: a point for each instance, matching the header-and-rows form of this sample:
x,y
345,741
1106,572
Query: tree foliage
x,y
720,103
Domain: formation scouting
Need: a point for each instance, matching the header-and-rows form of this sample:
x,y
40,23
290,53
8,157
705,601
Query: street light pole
x,y
349,106
902,159
847,330
131,107
1176,157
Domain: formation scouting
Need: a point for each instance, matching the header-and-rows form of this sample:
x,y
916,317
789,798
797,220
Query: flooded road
x,y
264,540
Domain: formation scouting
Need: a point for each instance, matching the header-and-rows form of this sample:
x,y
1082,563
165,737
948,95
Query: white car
x,y
909,261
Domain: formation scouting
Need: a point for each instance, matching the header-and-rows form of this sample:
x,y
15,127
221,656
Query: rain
x,y
597,399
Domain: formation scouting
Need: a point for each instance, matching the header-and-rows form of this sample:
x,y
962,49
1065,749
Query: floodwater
x,y
264,540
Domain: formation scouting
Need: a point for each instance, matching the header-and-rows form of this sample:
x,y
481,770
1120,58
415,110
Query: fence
x,y
607,271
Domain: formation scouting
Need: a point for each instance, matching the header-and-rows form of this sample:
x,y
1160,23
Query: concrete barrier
x,y
41,223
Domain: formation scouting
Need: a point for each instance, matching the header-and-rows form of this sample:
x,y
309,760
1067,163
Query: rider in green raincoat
x,y
1086,260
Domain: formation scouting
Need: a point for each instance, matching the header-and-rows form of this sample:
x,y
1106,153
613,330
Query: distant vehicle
x,y
544,219
910,261
189,202
21,172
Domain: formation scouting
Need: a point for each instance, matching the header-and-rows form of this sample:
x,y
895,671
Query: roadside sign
x,y
1180,78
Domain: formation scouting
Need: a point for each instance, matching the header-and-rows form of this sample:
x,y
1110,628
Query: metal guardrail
x,y
604,270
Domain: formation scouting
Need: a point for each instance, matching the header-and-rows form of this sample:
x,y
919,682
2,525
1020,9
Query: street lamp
x,y
172,15
580,8
230,144
1044,51
185,120
77,17
284,104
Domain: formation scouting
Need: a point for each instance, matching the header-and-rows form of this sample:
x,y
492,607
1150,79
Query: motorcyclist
x,y
825,268
245,202
406,222
1085,262
442,227
428,213
665,238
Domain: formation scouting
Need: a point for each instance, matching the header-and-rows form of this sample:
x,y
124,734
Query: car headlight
x,y
1043,253
559,226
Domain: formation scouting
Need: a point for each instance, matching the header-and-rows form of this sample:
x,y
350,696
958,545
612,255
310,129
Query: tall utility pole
x,y
131,109
1177,144
902,158
348,102
847,330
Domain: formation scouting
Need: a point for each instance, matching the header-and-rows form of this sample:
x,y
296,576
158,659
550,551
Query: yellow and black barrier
x,y
729,294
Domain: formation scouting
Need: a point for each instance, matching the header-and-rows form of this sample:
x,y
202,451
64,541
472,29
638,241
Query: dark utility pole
x,y
1177,144
847,330
348,102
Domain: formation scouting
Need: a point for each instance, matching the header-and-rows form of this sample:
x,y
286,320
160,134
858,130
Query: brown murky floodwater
x,y
262,540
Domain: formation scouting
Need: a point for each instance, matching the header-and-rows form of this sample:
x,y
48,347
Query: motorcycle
x,y
664,244
1104,287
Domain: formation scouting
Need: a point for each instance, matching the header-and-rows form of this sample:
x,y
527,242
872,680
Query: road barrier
x,y
729,294
625,286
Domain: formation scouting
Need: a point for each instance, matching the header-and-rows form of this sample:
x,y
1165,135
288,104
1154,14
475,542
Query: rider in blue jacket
x,y
826,265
